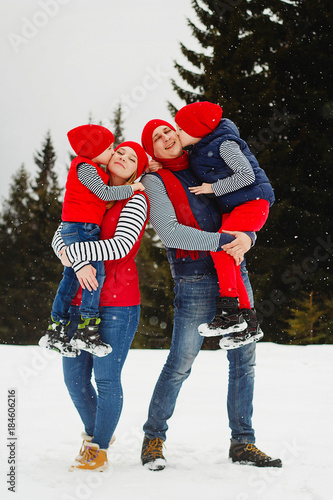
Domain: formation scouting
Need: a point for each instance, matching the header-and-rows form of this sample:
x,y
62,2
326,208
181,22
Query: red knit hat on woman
x,y
140,153
147,134
90,140
199,118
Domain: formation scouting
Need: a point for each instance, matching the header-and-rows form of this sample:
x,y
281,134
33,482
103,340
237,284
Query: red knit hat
x,y
90,140
147,134
140,153
199,118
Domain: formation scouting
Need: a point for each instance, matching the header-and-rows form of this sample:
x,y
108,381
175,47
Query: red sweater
x,y
80,204
121,285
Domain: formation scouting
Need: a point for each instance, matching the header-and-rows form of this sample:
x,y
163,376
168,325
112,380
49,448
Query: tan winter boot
x,y
94,458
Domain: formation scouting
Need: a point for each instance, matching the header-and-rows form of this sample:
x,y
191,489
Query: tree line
x,y
268,64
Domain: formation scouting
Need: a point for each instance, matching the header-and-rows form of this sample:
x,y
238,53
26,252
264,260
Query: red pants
x,y
250,216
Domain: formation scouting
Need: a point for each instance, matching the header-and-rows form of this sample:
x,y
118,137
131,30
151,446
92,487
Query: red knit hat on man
x,y
199,118
140,153
90,140
147,134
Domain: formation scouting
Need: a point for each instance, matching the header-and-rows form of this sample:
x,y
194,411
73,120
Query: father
x,y
188,226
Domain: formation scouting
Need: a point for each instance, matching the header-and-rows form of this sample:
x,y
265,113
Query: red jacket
x,y
80,204
121,285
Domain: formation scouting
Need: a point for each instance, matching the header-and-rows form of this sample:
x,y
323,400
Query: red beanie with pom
x,y
140,153
90,140
147,134
199,118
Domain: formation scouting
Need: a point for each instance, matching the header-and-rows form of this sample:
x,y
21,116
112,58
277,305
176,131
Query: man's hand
x,y
205,188
237,248
153,166
87,278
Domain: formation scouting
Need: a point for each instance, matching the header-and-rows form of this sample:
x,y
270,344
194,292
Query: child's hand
x,y
205,188
137,186
153,166
64,259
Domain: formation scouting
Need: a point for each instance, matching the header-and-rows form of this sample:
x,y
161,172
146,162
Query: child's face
x,y
185,138
104,157
123,164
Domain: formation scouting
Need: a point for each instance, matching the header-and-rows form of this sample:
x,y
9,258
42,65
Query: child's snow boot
x,y
56,339
88,339
228,319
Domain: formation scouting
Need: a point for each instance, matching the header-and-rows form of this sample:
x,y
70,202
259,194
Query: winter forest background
x,y
268,63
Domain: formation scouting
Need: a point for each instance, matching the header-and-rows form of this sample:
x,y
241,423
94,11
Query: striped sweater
x,y
130,224
88,176
243,174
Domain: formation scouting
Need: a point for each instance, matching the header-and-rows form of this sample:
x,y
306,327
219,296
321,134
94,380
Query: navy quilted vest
x,y
207,164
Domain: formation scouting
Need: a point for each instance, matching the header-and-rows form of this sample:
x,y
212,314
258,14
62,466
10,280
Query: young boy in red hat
x,y
228,169
86,196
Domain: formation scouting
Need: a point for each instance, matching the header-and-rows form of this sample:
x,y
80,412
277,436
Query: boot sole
x,y
227,347
156,465
60,349
274,463
206,331
80,344
102,468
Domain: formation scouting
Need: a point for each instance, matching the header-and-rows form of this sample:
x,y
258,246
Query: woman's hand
x,y
137,186
87,277
64,259
153,166
205,188
237,248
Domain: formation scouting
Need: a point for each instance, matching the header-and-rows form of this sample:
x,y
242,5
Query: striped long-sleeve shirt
x,y
88,176
173,234
130,223
243,174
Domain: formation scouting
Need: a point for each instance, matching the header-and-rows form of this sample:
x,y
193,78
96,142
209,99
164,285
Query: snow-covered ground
x,y
293,418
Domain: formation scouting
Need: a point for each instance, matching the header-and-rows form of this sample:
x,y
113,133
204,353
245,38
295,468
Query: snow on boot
x,y
228,319
151,455
88,438
94,458
56,339
253,332
88,339
253,326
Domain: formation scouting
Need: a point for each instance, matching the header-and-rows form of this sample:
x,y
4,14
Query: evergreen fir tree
x,y
269,65
117,126
32,270
309,324
15,239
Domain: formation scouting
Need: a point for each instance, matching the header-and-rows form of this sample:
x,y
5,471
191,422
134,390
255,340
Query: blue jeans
x,y
195,303
73,232
100,412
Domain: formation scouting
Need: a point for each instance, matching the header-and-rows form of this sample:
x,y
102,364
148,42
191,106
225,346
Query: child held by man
x,y
228,169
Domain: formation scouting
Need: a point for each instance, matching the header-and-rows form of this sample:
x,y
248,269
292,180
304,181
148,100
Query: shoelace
x,y
154,448
251,447
90,454
81,452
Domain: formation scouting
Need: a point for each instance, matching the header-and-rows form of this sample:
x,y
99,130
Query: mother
x,y
121,232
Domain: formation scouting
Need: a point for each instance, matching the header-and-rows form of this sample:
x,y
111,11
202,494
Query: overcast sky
x,y
63,60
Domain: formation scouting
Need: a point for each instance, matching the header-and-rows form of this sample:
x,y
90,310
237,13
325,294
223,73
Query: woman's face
x,y
166,143
122,165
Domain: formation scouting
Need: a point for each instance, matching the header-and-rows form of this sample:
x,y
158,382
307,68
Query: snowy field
x,y
293,418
